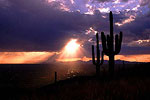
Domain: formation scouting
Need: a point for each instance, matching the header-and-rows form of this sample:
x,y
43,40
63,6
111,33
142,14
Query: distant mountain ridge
x,y
105,62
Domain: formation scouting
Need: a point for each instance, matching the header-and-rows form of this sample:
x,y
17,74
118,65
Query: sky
x,y
33,31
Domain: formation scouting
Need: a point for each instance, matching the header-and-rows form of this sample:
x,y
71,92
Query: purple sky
x,y
46,25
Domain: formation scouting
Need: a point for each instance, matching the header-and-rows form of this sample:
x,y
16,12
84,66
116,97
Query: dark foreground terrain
x,y
131,82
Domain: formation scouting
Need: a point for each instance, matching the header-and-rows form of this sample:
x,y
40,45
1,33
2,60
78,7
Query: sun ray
x,y
71,50
71,47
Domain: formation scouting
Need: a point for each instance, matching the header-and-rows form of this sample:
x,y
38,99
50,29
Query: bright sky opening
x,y
72,47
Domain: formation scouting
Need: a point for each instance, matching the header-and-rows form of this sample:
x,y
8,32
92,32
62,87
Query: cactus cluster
x,y
99,62
108,44
111,46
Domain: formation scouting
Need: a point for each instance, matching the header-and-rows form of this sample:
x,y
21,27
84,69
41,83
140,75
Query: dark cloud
x,y
110,0
136,34
103,0
124,0
140,25
133,32
126,50
33,25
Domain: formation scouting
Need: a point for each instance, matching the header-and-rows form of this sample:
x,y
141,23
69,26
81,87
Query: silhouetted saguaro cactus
x,y
99,62
108,44
55,77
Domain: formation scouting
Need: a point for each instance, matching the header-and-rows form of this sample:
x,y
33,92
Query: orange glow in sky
x,y
130,58
38,57
24,57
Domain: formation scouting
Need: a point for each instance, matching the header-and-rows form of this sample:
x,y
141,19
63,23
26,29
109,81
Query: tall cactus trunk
x,y
97,70
111,65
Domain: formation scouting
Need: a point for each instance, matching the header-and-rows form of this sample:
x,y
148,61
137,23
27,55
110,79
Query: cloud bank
x,y
41,25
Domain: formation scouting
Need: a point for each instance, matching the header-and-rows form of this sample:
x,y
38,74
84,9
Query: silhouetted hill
x,y
131,83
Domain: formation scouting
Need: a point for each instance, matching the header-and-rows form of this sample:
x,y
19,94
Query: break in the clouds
x,y
46,25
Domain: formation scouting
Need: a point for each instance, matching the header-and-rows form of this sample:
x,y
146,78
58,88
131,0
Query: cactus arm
x,y
93,55
118,41
102,59
120,38
116,45
105,49
98,51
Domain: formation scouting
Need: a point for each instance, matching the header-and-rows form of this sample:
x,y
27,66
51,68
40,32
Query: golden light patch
x,y
74,59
